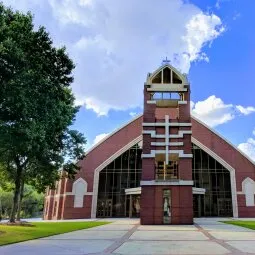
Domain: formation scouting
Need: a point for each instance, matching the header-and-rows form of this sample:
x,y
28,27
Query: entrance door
x,y
198,205
224,207
104,208
133,206
167,211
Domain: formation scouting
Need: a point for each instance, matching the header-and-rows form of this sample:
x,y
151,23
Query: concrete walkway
x,y
125,236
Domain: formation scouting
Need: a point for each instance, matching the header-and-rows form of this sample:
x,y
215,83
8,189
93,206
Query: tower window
x,y
157,78
157,96
167,75
166,171
176,79
175,96
167,96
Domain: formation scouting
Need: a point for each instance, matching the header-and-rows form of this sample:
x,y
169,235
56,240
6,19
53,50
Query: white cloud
x,y
97,106
98,138
85,2
213,111
116,43
23,5
121,44
248,148
192,104
132,114
72,11
200,29
245,110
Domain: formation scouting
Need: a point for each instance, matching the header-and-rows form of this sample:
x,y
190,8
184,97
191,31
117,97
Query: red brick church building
x,y
164,166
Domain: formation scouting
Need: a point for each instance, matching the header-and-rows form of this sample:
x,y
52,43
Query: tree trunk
x,y
16,193
20,199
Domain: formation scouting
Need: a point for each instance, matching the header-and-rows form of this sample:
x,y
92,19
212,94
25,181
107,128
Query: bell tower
x,y
166,184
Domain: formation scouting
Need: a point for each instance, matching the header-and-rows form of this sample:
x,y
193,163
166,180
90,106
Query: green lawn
x,y
246,224
14,234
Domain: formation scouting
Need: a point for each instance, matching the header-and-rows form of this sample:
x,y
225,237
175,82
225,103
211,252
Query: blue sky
x,y
116,43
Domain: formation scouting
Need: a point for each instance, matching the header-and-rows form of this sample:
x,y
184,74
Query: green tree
x,y
32,202
36,106
31,206
6,198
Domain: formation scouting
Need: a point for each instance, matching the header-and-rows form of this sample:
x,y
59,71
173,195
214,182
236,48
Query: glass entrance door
x,y
198,205
167,206
133,206
104,208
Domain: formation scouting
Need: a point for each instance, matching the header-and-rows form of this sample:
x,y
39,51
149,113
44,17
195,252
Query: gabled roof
x,y
182,76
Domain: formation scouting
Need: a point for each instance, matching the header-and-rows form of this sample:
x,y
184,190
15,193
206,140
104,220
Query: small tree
x,y
36,106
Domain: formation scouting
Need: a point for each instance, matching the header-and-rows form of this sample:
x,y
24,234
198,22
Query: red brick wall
x,y
243,210
152,204
48,203
161,112
152,196
77,213
244,168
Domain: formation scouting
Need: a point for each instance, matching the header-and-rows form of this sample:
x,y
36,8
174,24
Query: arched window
x,y
249,191
79,190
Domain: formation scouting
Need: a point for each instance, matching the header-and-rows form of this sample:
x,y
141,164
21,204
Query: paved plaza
x,y
126,236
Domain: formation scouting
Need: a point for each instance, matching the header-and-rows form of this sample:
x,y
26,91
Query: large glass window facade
x,y
215,179
125,172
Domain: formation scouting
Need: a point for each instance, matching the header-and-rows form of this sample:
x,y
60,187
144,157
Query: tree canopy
x,y
36,105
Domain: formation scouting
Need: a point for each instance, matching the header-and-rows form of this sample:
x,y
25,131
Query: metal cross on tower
x,y
166,61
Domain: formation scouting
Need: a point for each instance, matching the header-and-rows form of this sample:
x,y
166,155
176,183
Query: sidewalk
x,y
126,236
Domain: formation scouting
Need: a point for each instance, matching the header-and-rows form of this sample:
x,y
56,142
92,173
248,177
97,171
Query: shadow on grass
x,y
13,234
